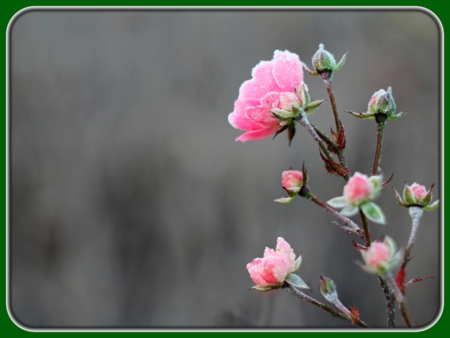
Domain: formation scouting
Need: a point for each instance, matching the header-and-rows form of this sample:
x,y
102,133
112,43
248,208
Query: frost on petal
x,y
261,83
287,71
261,115
241,104
256,271
242,122
257,134
285,249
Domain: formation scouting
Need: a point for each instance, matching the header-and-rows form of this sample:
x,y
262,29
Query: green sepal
x,y
309,71
284,200
396,116
296,281
366,268
373,212
432,206
341,63
298,263
428,197
399,199
263,288
281,114
311,107
408,195
361,115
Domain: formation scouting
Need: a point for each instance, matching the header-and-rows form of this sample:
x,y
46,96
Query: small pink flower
x,y
292,180
274,85
419,191
274,267
358,189
377,254
381,257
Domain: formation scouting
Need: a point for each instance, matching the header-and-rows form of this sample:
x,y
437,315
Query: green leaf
x,y
338,202
296,281
373,212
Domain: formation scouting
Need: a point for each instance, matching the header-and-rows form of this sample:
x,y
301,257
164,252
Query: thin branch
x,y
300,295
352,226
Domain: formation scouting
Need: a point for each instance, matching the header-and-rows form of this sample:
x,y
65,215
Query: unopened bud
x,y
323,60
382,102
328,289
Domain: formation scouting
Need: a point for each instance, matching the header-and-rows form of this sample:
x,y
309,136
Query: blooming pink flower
x,y
358,189
419,191
274,84
292,180
274,267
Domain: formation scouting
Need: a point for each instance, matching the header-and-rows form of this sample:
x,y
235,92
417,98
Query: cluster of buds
x,y
417,195
358,194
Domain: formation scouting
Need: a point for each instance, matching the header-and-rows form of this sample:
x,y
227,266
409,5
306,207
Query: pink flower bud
x,y
418,196
358,189
275,86
274,267
377,255
292,180
419,191
382,102
381,257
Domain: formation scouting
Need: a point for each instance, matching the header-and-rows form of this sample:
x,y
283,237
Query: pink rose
x,y
358,189
292,180
419,191
274,84
274,267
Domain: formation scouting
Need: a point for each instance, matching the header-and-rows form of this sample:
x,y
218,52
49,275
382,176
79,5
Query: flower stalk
x,y
381,119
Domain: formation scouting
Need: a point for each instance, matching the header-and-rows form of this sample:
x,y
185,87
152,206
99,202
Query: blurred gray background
x,y
132,205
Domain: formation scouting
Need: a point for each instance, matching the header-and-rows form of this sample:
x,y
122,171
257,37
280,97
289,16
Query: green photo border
x,y
11,8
